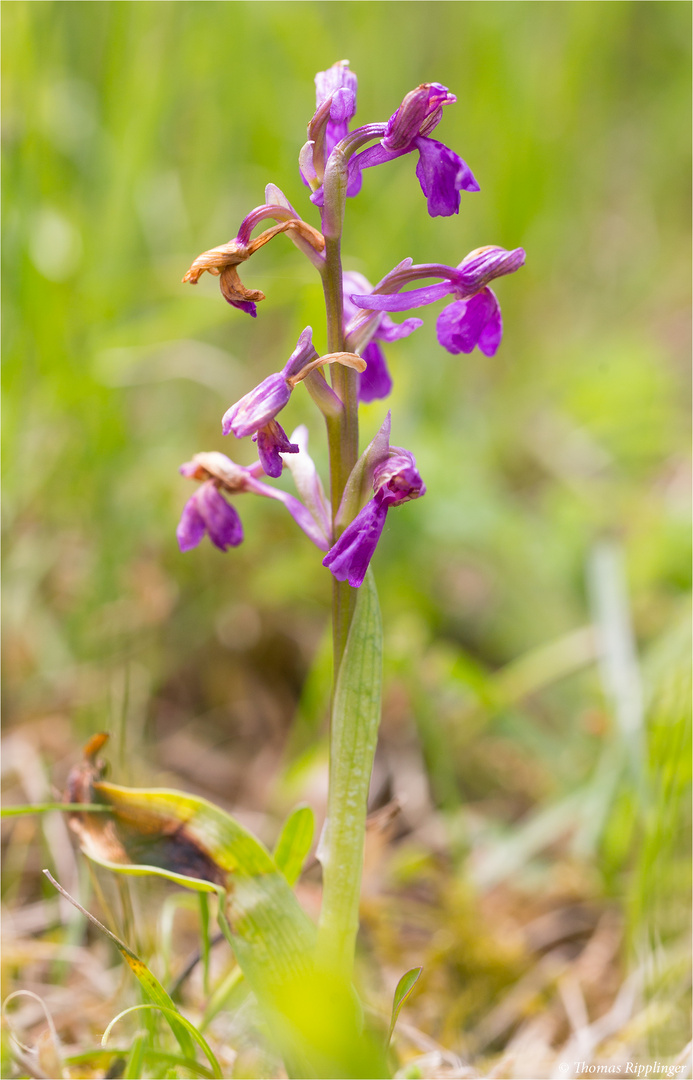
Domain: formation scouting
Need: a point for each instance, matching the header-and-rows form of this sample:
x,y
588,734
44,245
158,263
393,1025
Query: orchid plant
x,y
293,968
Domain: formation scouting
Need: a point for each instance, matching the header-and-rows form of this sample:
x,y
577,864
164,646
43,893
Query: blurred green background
x,y
539,755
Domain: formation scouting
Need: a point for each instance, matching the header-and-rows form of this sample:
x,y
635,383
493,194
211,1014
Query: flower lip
x,y
473,321
272,441
206,511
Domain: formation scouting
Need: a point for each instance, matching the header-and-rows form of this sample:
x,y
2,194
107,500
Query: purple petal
x,y
257,408
418,114
490,336
191,527
249,306
391,331
353,282
485,264
442,175
404,301
302,354
272,441
221,520
461,324
350,557
375,381
354,178
336,78
375,155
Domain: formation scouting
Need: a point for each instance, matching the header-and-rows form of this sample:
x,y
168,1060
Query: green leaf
x,y
168,1011
191,841
147,980
196,844
294,843
355,722
402,991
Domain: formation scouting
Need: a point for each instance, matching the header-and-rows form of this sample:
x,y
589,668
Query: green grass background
x,y
137,135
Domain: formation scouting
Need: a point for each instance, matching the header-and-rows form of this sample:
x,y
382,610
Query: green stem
x,y
342,434
352,736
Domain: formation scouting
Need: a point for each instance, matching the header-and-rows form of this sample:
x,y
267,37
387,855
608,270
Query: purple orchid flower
x,y
441,172
207,511
338,85
395,480
255,413
473,319
375,382
335,100
222,262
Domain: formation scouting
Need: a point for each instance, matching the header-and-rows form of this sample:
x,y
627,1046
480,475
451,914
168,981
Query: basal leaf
x,y
196,844
355,722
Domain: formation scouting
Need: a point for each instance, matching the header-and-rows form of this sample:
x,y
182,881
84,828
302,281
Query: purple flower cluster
x,y
334,159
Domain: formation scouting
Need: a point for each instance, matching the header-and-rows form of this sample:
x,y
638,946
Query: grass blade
x,y
135,1062
43,808
147,980
172,1015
